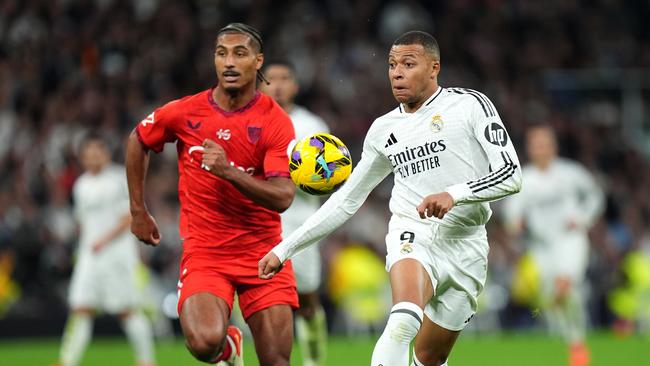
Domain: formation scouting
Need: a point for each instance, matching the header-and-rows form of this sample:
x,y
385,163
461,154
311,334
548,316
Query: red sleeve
x,y
276,159
157,128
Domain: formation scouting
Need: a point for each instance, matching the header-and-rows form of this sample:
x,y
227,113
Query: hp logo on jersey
x,y
496,134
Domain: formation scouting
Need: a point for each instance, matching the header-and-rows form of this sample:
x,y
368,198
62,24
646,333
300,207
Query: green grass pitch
x,y
486,350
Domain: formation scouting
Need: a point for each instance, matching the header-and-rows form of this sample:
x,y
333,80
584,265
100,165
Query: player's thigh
x,y
433,343
410,282
307,269
272,330
410,266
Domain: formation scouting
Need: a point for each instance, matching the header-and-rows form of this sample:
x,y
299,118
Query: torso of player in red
x,y
215,216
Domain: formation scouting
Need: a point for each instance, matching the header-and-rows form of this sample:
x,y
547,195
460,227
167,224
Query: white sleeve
x,y
505,176
369,172
592,198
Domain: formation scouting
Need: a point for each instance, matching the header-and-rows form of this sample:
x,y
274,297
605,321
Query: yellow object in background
x,y
525,286
358,284
631,301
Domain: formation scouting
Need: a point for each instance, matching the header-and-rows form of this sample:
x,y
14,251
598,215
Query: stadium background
x,y
71,66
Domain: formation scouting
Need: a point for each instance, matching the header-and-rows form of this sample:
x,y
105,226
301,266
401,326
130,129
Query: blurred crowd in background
x,y
71,66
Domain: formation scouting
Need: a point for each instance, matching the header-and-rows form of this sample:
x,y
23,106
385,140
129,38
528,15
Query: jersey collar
x,y
426,103
216,107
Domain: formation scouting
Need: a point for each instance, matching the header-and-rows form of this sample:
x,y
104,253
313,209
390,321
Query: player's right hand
x,y
269,266
144,227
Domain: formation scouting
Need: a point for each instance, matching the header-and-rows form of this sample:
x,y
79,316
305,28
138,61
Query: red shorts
x,y
222,275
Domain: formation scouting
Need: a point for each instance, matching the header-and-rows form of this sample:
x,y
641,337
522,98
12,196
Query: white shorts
x,y
306,266
455,259
110,288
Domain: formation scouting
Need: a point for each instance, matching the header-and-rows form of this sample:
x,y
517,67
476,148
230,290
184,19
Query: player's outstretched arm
x,y
370,171
143,225
275,193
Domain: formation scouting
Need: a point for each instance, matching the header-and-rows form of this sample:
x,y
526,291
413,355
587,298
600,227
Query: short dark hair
x,y
424,39
250,31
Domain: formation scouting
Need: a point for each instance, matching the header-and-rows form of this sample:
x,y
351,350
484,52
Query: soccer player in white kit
x,y
311,326
559,203
450,154
104,277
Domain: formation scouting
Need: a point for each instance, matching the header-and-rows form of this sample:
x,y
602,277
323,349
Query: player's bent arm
x,y
136,163
505,178
143,226
370,171
274,193
593,202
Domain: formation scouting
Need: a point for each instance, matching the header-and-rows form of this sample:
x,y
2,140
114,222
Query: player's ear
x,y
259,61
435,68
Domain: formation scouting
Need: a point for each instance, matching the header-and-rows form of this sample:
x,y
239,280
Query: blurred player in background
x,y
440,144
558,205
104,277
310,321
231,192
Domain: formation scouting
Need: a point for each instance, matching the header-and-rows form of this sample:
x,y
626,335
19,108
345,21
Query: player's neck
x,y
288,107
232,101
412,107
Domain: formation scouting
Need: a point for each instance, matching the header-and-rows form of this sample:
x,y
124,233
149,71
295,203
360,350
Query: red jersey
x,y
214,214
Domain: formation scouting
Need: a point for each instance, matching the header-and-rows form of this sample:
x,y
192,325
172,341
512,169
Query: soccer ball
x,y
320,164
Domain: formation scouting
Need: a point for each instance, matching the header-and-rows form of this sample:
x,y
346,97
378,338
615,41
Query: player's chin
x,y
402,95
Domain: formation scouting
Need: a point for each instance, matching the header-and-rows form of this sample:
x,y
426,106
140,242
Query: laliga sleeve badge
x,y
436,123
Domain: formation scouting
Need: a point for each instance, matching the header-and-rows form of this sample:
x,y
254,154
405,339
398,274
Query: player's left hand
x,y
435,205
269,266
215,159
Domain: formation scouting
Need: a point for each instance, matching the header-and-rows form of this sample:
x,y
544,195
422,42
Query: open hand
x,y
435,205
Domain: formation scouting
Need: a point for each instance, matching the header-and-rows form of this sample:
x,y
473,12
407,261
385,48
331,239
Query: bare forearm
x,y
137,161
275,193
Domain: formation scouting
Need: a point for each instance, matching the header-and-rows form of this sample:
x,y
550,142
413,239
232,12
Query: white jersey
x,y
100,202
305,123
455,142
550,201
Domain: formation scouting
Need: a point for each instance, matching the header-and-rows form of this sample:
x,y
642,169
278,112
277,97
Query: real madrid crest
x,y
406,249
436,123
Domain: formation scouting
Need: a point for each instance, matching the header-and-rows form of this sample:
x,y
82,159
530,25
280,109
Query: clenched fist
x,y
435,205
214,158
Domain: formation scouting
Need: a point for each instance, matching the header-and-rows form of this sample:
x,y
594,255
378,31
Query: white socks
x,y
392,348
138,331
312,338
76,336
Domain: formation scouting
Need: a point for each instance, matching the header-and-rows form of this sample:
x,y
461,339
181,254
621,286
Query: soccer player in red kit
x,y
232,146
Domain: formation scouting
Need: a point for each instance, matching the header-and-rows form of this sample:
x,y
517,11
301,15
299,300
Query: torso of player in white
x,y
100,202
435,147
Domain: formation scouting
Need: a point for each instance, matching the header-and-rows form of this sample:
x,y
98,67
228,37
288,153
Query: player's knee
x,y
205,343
